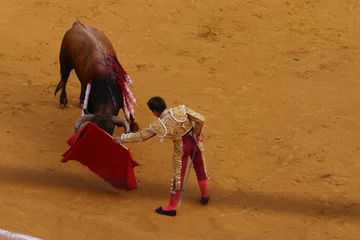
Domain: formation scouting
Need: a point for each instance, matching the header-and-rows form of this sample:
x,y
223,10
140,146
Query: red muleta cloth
x,y
95,148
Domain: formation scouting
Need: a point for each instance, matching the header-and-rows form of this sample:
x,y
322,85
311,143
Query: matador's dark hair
x,y
157,104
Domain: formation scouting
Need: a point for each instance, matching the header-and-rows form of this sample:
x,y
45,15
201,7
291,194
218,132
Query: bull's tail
x,y
59,86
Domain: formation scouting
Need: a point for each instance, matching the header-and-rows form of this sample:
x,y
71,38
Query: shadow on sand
x,y
239,199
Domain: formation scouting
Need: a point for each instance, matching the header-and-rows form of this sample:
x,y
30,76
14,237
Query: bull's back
x,y
84,46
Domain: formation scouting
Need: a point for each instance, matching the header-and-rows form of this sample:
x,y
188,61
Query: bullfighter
x,y
177,124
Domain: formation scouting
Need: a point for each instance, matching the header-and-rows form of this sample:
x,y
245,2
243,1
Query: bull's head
x,y
104,121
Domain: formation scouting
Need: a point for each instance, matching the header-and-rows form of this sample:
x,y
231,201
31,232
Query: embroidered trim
x,y
166,132
122,136
162,123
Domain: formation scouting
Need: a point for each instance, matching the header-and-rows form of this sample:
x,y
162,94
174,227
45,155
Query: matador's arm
x,y
141,136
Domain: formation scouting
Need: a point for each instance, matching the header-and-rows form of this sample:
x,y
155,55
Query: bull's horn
x,y
85,118
120,121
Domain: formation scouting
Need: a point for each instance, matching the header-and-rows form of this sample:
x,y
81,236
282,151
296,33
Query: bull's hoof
x,y
64,105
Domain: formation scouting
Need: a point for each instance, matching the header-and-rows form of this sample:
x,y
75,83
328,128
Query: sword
x,y
188,174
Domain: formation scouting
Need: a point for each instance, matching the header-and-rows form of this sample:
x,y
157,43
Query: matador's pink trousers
x,y
189,145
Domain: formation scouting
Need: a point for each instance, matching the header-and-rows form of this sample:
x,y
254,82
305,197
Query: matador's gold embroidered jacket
x,y
173,124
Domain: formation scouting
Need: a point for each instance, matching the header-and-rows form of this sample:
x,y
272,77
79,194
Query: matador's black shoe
x,y
171,213
205,200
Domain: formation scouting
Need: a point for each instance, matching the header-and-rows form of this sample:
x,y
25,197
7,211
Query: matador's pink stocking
x,y
203,188
174,198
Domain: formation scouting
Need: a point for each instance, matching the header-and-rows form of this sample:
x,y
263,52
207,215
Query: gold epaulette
x,y
179,113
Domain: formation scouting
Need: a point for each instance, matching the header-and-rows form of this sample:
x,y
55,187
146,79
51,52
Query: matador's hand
x,y
199,138
117,140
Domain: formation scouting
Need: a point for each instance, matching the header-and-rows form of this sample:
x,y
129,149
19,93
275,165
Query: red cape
x,y
95,148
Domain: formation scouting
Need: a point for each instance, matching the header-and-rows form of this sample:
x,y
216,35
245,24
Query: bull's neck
x,y
109,96
107,109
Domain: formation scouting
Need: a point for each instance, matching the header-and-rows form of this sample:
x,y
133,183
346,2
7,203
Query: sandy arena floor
x,y
278,82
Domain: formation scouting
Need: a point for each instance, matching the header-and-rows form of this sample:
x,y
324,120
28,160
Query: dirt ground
x,y
276,80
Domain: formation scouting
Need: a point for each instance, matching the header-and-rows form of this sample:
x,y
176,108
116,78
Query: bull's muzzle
x,y
118,121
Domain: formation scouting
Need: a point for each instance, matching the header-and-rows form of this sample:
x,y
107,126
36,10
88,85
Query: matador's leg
x,y
180,160
201,171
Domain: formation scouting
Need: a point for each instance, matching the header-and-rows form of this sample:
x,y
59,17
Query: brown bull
x,y
90,53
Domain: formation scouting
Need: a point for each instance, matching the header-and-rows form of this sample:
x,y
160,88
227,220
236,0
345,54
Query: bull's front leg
x,y
65,69
63,96
82,96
